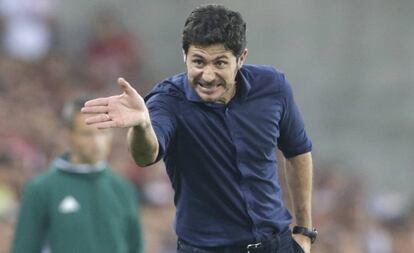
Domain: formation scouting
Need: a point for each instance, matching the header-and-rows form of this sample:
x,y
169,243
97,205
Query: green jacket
x,y
78,209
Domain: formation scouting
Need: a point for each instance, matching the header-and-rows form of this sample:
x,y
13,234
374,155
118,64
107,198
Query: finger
x,y
125,86
97,119
97,102
95,109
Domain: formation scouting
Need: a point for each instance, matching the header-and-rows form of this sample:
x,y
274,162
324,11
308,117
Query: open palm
x,y
125,110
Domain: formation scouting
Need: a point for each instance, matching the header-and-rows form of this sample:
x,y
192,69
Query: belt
x,y
269,245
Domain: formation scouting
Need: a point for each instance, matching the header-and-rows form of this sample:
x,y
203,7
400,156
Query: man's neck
x,y
76,159
228,95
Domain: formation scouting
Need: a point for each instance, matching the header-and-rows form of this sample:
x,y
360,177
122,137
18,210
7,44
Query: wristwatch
x,y
311,233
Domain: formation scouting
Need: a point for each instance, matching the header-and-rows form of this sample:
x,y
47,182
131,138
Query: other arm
x,y
299,174
31,227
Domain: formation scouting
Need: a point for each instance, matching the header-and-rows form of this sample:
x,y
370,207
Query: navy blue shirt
x,y
221,158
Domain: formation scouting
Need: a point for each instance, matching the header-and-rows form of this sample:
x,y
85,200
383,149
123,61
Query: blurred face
x,y
89,144
212,71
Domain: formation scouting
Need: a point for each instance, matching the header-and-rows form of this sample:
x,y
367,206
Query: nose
x,y
208,74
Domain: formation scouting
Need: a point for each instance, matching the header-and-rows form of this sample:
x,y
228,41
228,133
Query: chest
x,y
251,127
78,205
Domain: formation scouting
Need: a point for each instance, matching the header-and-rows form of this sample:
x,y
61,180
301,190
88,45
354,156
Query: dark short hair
x,y
71,109
215,24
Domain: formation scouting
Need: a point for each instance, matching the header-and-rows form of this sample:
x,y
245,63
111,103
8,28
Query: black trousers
x,y
282,243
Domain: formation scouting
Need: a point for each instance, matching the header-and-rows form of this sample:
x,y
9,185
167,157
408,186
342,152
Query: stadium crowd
x,y
36,78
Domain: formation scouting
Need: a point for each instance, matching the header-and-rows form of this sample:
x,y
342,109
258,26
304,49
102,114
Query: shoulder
x,y
120,182
42,180
170,88
265,77
263,71
39,186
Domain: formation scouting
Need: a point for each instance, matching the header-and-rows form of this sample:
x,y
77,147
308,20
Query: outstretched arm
x,y
299,181
126,110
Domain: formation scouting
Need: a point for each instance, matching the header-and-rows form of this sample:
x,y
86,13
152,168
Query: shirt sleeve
x,y
293,139
163,119
31,226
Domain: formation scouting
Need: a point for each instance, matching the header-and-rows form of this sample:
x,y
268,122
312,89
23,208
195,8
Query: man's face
x,y
212,71
89,144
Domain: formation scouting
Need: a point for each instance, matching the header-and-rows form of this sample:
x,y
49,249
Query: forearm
x,y
299,181
143,144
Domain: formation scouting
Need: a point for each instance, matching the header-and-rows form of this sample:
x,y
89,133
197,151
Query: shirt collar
x,y
63,163
243,88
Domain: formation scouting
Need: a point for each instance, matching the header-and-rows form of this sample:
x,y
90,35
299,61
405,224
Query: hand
x,y
125,110
303,241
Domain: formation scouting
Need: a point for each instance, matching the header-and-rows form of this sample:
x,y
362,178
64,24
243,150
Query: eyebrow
x,y
215,59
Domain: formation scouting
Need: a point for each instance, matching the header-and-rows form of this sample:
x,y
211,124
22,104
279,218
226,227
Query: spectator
x,y
112,51
28,28
79,204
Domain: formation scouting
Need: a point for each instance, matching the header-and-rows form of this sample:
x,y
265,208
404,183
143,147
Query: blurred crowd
x,y
37,77
352,221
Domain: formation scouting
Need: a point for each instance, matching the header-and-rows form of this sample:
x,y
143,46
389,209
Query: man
x,y
79,205
217,127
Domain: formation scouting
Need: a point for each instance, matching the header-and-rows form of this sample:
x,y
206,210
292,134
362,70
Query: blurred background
x,y
351,65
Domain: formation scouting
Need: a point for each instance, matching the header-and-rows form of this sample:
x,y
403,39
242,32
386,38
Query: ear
x,y
184,56
242,58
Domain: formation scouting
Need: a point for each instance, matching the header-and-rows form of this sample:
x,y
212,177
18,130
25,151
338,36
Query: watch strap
x,y
311,233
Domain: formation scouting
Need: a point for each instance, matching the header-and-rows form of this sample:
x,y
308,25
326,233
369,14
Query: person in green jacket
x,y
79,204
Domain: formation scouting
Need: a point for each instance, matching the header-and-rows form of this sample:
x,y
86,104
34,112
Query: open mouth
x,y
209,86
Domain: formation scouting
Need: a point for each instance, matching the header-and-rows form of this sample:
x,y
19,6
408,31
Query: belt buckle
x,y
253,246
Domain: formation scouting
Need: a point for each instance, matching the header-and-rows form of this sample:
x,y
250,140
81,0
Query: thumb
x,y
125,86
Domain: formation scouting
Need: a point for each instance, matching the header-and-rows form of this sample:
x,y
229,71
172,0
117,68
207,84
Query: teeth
x,y
209,86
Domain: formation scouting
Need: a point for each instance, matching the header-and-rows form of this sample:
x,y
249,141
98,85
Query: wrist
x,y
142,126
